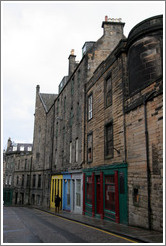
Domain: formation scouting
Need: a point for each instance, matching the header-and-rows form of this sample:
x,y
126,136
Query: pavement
x,y
135,233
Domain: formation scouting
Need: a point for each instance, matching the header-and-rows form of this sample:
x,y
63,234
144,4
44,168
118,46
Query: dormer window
x,y
29,148
14,148
21,148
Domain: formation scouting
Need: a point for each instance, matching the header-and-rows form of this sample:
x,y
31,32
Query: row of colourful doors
x,y
105,193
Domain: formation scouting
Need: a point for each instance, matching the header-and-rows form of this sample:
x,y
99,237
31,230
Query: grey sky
x,y
36,40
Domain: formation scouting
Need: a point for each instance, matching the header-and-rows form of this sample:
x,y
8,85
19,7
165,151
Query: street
x,y
27,225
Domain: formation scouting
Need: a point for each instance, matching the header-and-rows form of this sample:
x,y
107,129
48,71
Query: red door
x,y
98,197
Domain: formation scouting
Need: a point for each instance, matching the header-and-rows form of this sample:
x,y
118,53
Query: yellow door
x,y
56,188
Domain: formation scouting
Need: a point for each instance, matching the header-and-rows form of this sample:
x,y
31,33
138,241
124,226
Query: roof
x,y
47,100
20,147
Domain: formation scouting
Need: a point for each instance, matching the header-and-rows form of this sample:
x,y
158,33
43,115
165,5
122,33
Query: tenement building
x,y
123,169
59,148
17,173
98,142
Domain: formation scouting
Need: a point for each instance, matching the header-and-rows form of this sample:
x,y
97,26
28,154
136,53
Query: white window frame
x,y
14,148
90,101
78,193
22,148
10,179
70,159
29,148
76,149
6,180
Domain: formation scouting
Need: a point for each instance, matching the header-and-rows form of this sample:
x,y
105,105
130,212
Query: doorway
x,y
73,194
98,195
16,197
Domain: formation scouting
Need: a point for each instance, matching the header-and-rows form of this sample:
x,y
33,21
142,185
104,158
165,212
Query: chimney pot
x,y
106,18
72,52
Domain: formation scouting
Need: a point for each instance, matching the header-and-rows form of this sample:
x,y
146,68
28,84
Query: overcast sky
x,y
36,40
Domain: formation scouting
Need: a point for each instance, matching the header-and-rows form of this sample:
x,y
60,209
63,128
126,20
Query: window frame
x,y
106,155
70,152
39,180
90,109
34,181
78,192
76,150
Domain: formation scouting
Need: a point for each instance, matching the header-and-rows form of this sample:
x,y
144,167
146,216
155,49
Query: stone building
x,y
98,143
17,166
123,169
61,141
41,166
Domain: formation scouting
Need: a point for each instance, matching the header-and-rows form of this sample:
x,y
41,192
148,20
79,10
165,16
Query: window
x,y
14,148
89,190
19,164
90,107
78,192
110,192
6,180
34,180
17,180
70,152
109,140
89,147
39,180
76,150
29,148
28,180
108,92
25,164
10,179
23,180
22,148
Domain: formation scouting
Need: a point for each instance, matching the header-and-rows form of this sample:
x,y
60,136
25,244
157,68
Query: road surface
x,y
28,225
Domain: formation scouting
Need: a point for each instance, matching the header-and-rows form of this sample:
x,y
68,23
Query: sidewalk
x,y
135,233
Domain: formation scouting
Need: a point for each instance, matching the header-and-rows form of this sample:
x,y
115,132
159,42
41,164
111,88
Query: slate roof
x,y
47,100
20,147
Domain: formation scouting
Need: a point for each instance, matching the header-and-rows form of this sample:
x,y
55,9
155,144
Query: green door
x,y
122,182
7,196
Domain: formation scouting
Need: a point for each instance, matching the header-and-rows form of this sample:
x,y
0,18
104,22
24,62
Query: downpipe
x,y
145,99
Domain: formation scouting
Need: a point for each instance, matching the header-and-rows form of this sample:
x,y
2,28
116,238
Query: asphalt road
x,y
27,225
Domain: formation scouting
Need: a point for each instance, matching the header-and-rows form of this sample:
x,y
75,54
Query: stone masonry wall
x,y
38,150
69,125
102,116
137,162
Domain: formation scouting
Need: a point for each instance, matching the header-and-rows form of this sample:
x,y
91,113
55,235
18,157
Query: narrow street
x,y
27,225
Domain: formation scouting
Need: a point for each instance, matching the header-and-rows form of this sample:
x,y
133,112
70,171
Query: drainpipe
x,y
30,182
84,122
145,99
124,120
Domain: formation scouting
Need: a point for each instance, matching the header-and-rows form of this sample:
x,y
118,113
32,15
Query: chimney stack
x,y
72,62
9,143
37,88
112,26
